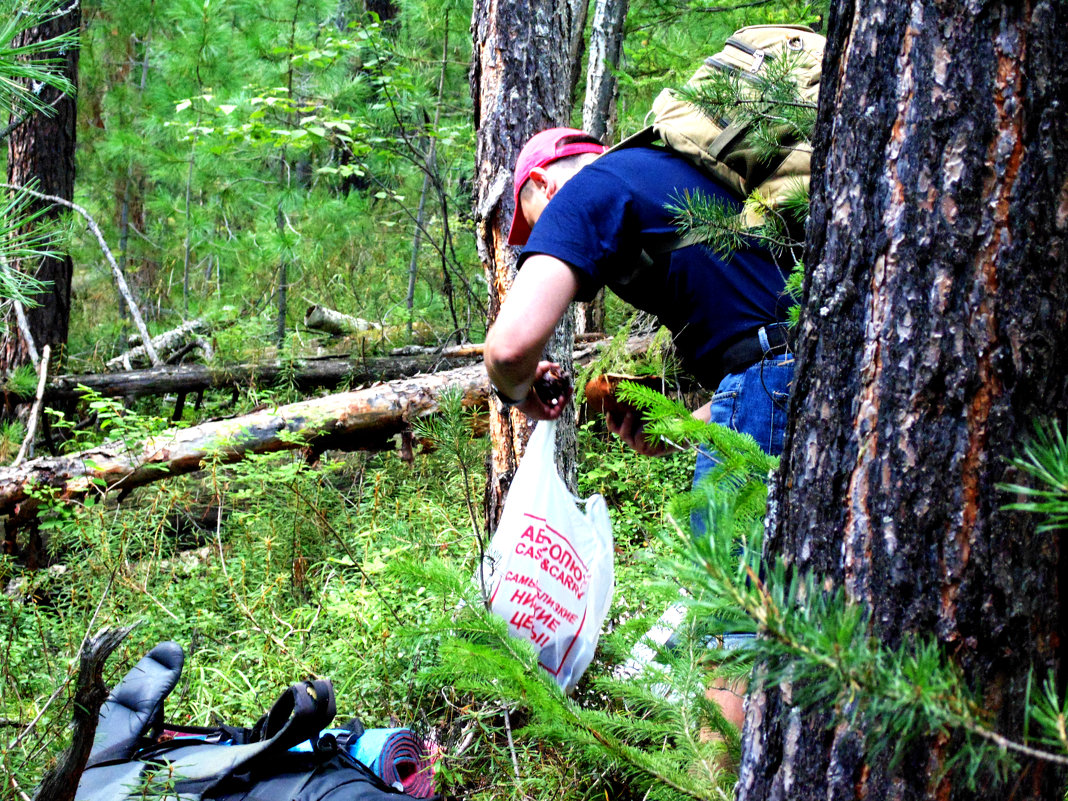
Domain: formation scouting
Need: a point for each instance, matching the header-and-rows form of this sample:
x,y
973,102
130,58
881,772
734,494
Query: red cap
x,y
545,148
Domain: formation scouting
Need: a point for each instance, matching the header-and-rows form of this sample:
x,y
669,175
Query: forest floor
x,y
271,570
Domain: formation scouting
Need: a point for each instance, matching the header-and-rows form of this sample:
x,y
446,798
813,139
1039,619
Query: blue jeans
x,y
753,402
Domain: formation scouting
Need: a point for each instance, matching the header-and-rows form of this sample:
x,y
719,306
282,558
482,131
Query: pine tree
x,y
40,139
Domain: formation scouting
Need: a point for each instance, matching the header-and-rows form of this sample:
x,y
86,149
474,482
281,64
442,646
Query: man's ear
x,y
543,181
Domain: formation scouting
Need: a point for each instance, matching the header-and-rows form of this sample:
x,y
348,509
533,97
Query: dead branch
x,y
120,279
163,345
35,412
61,782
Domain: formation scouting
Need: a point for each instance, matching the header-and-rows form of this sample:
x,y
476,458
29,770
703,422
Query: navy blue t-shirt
x,y
609,211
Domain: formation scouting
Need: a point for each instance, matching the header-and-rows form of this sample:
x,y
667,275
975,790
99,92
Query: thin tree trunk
x,y
431,169
417,240
519,83
124,239
41,152
599,111
187,245
283,290
578,11
933,335
602,87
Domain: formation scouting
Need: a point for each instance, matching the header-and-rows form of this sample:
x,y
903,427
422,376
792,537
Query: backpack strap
x,y
299,715
646,136
309,705
136,703
728,138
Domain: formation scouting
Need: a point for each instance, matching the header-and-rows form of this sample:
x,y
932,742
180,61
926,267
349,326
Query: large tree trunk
x,y
41,152
520,83
934,333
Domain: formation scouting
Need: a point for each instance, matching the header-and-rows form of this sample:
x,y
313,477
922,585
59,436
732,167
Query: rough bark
x,y
934,332
41,153
520,84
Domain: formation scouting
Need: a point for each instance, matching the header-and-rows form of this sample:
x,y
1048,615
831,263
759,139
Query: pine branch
x,y
823,647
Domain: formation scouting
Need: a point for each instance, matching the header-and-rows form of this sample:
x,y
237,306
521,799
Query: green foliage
x,y
775,115
22,66
1044,458
768,103
658,358
654,743
823,645
666,42
258,135
241,136
12,432
452,431
22,381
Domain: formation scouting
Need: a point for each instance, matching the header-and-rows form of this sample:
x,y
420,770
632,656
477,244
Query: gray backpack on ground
x,y
136,755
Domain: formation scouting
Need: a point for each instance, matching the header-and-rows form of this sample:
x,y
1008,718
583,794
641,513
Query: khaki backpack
x,y
718,145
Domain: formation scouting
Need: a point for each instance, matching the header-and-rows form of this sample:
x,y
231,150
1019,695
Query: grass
x,y
311,570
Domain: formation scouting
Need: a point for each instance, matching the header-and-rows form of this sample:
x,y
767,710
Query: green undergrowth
x,y
358,569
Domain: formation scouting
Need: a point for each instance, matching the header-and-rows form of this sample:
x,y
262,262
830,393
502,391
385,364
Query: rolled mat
x,y
397,757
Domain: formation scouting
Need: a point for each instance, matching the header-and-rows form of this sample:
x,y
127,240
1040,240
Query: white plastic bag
x,y
549,569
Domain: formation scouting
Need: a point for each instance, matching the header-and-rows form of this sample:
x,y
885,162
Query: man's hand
x,y
542,405
628,427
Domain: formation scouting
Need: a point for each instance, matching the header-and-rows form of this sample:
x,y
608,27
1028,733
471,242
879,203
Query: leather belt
x,y
749,350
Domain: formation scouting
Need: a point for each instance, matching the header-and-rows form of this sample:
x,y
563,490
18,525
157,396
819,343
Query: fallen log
x,y
305,373
322,318
476,348
348,421
165,345
339,324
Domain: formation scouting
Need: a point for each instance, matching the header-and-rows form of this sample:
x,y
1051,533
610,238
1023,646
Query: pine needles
x,y
1045,458
810,637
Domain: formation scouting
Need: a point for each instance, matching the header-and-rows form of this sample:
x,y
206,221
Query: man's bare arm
x,y
539,297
